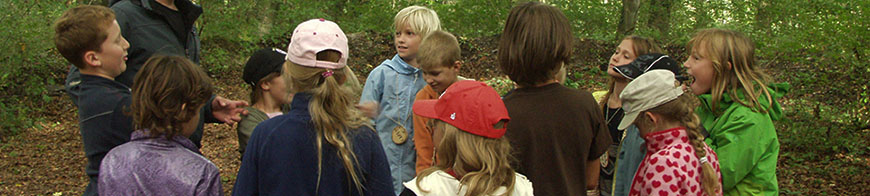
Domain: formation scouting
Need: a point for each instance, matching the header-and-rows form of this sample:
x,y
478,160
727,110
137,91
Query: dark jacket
x,y
281,159
102,122
148,30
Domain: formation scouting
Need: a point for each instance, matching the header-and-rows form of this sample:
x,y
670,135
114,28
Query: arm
x,y
739,144
592,171
211,183
247,177
372,93
379,181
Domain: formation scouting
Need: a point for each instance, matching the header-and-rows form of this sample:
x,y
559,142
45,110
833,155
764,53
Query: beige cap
x,y
647,91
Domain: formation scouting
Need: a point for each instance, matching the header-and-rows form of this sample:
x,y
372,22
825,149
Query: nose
x,y
124,42
686,64
613,58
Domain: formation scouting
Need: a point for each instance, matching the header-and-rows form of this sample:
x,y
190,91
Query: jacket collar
x,y
145,136
401,66
777,90
659,140
86,78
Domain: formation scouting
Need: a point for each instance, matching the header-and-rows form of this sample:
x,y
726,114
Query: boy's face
x,y
407,42
113,55
700,67
441,77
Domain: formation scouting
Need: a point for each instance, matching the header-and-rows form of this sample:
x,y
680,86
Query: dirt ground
x,y
48,159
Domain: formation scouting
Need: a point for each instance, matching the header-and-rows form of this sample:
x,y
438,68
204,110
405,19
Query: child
x,y
90,38
323,145
160,159
269,93
393,84
474,157
738,106
440,61
666,120
557,132
629,49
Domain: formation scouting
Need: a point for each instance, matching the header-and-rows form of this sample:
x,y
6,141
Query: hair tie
x,y
327,73
703,159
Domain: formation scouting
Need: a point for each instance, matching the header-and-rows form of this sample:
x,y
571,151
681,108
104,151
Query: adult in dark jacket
x,y
152,27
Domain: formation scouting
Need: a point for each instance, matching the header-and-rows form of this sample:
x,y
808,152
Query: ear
x,y
652,117
728,65
266,85
91,59
457,65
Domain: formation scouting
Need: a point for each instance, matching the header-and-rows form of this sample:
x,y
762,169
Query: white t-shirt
x,y
441,183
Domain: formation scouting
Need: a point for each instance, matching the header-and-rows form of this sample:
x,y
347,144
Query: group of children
x,y
418,128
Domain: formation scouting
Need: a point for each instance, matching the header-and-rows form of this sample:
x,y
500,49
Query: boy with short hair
x,y
439,58
90,38
393,84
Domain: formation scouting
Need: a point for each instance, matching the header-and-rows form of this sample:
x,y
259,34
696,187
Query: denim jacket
x,y
631,153
394,84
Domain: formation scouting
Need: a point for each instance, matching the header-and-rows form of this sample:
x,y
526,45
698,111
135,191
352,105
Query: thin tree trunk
x,y
629,18
660,17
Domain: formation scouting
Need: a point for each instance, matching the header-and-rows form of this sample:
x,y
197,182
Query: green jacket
x,y
745,141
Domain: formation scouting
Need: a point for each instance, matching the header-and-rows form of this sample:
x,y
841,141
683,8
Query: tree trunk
x,y
265,25
660,17
763,17
629,18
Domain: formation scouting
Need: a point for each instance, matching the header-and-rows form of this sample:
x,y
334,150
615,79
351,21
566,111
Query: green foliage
x,y
28,62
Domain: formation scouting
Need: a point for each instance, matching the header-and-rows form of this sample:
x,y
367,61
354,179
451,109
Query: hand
x,y
369,109
228,111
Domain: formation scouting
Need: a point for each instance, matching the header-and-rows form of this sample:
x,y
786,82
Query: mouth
x,y
402,47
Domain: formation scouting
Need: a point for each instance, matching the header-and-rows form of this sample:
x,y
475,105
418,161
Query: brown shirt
x,y
423,133
554,131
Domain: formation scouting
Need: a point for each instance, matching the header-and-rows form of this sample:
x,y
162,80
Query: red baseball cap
x,y
469,105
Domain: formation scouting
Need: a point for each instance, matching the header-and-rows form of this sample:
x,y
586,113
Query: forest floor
x,y
48,159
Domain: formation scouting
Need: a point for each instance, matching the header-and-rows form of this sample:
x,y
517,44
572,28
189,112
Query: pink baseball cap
x,y
313,36
469,105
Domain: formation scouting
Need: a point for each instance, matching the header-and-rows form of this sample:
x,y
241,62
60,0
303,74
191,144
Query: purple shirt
x,y
158,166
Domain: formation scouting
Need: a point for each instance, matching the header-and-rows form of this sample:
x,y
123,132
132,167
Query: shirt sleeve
x,y
379,181
373,89
731,144
601,136
211,184
247,177
423,143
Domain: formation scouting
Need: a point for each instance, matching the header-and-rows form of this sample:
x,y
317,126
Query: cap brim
x,y
425,108
627,120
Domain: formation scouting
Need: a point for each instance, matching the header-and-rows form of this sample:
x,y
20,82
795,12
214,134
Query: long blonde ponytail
x,y
331,109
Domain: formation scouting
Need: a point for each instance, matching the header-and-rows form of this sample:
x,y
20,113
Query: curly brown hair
x,y
167,93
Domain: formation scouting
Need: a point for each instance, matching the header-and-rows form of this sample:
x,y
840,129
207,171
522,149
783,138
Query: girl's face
x,y
624,54
700,67
279,90
407,42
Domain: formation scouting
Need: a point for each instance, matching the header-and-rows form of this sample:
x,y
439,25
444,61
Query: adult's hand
x,y
228,111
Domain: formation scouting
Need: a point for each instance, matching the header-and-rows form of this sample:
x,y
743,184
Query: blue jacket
x,y
158,166
631,153
281,159
394,85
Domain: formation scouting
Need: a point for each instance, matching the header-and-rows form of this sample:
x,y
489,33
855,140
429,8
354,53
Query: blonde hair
x,y
724,46
640,46
421,19
332,111
439,49
483,163
682,109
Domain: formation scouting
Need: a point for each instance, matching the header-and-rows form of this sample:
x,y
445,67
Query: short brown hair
x,y
161,88
438,49
82,29
535,42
